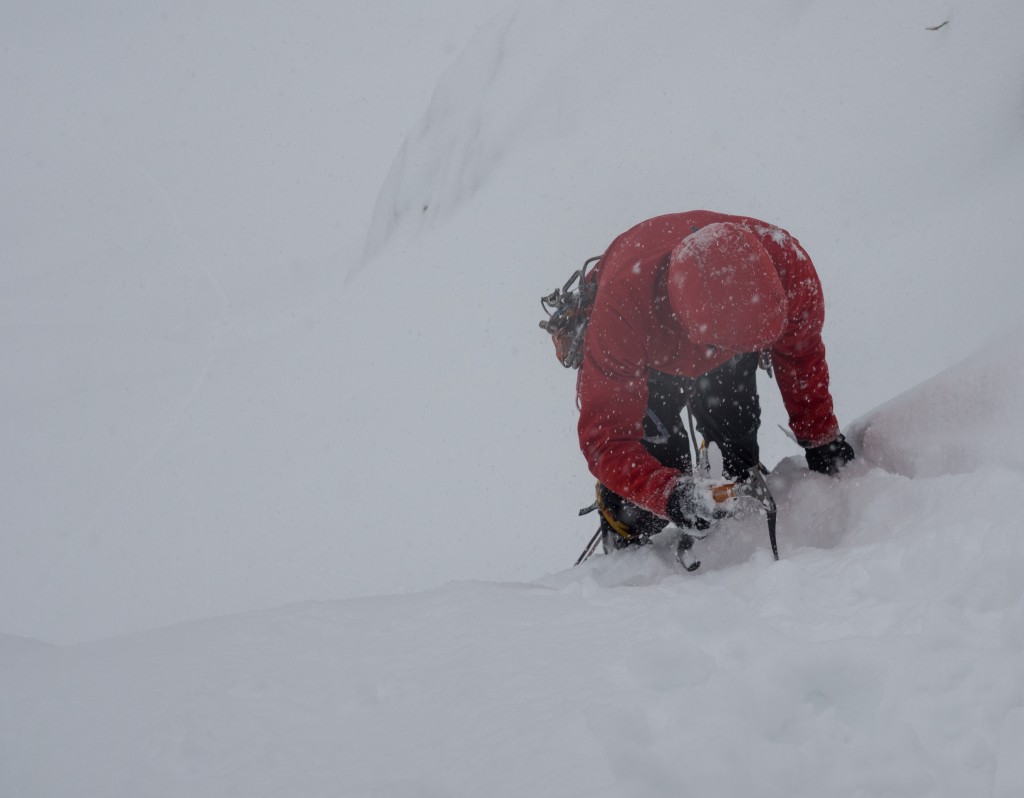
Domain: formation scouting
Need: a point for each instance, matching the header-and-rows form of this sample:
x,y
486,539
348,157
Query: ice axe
x,y
755,487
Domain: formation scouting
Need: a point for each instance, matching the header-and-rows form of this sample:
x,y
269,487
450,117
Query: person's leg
x,y
664,428
727,411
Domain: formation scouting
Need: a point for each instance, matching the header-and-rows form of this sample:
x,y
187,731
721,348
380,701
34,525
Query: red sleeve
x,y
613,401
799,356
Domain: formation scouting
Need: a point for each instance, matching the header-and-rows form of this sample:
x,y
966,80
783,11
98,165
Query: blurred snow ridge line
x,y
834,91
472,118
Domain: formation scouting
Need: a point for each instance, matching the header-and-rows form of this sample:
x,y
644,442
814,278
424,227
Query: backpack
x,y
568,310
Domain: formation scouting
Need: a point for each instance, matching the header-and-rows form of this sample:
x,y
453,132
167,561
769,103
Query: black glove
x,y
691,507
830,457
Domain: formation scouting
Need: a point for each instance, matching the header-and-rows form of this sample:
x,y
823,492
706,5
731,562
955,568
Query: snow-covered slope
x,y
181,181
882,655
217,404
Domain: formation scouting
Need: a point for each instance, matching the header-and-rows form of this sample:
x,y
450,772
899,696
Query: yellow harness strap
x,y
620,528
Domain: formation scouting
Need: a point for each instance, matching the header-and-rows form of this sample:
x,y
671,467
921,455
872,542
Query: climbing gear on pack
x,y
568,310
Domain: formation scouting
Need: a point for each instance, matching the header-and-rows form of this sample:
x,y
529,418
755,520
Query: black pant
x,y
726,410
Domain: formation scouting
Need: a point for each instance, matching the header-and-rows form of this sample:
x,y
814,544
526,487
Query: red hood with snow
x,y
681,294
724,289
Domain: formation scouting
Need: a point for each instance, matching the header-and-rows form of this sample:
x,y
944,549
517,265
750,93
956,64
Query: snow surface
x,y
883,655
233,383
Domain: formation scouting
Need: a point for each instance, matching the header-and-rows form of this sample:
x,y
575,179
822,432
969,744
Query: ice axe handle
x,y
722,493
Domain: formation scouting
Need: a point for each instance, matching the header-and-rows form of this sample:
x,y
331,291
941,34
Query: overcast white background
x,y
269,282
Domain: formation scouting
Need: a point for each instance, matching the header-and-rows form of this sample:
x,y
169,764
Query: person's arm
x,y
799,355
613,398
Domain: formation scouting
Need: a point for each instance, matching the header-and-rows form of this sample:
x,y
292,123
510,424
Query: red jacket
x,y
633,330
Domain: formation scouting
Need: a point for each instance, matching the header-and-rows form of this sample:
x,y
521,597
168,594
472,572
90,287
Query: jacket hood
x,y
725,290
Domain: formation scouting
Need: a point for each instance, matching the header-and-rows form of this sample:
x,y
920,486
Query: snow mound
x,y
965,418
